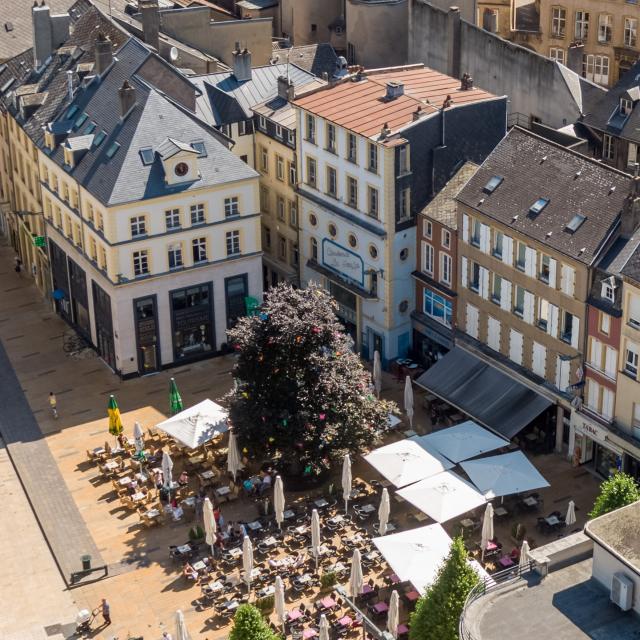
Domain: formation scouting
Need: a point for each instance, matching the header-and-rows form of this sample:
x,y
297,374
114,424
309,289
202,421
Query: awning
x,y
488,395
198,424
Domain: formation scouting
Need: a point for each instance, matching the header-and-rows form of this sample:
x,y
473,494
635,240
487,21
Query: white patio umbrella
x,y
383,512
278,501
524,556
281,611
408,399
571,513
377,373
167,468
487,527
346,480
393,616
210,526
315,535
138,437
356,579
234,463
182,633
196,425
247,560
323,628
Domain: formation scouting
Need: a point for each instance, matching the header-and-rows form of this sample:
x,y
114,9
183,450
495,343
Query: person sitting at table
x,y
299,561
249,487
265,485
229,529
176,510
183,480
158,479
515,554
189,572
239,531
122,440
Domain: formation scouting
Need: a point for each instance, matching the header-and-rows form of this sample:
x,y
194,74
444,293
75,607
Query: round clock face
x,y
182,168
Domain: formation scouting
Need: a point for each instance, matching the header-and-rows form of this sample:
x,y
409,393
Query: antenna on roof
x,y
288,56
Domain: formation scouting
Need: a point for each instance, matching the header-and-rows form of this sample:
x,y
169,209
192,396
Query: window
x,y
608,147
262,123
242,128
293,214
294,254
233,243
264,160
313,220
265,205
582,25
311,172
199,249
372,157
352,192
608,290
474,283
557,54
140,263
373,197
333,231
427,229
518,307
427,258
605,323
476,232
281,209
521,258
558,22
352,240
626,106
231,207
280,168
543,313
539,359
496,289
352,147
634,311
332,182
278,131
569,328
445,268
574,224
267,239
403,159
437,307
93,249
630,32
314,249
545,268
138,226
605,25
405,203
111,151
292,173
236,291
310,128
291,137
282,248
498,243
175,256
636,417
373,251
197,213
631,359
493,184
538,206
446,239
146,155
331,138
596,68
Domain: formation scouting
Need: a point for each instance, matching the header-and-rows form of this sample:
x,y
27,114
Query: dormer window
x,y
608,291
626,106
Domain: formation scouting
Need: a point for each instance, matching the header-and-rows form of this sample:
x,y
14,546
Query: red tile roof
x,y
360,106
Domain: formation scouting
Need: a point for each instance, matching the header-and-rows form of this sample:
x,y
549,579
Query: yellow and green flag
x,y
115,422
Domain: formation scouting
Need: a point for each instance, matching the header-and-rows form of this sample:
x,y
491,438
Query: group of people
x,y
259,487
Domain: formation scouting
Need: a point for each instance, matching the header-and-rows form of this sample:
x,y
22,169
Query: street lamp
x,y
367,624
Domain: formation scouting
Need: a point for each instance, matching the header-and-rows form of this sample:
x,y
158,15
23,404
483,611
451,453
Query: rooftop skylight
x,y
99,139
111,151
493,184
199,145
80,121
538,206
73,109
90,128
575,222
147,155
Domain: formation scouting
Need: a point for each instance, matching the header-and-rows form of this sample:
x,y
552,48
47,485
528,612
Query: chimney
x,y
630,216
150,22
417,114
241,63
466,82
49,32
103,54
453,42
127,98
394,90
286,90
574,57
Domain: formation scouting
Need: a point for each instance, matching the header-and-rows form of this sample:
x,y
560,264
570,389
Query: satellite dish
x,y
173,54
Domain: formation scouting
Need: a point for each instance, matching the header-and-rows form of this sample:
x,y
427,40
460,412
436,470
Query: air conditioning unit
x,y
622,591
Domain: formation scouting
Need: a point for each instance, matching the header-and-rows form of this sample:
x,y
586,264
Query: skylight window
x,y
538,206
147,155
99,139
90,128
199,146
7,84
493,184
575,222
72,111
80,121
111,151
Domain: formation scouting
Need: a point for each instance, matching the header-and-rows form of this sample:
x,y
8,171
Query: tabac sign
x,y
343,261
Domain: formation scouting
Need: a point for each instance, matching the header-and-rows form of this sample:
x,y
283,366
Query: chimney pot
x,y
286,90
127,95
150,15
394,90
103,54
241,64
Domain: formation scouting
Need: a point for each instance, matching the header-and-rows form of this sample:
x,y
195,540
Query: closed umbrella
x,y
383,512
525,558
323,630
356,579
315,535
377,373
281,611
247,560
487,527
393,616
408,399
278,501
138,437
182,633
210,526
346,480
175,400
233,456
115,421
571,513
167,468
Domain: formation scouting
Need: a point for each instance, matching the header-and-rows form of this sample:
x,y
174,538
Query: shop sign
x,y
588,428
39,241
343,261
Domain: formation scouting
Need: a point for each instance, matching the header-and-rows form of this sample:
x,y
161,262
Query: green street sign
x,y
39,241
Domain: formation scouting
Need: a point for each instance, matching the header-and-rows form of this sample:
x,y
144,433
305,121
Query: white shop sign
x,y
343,261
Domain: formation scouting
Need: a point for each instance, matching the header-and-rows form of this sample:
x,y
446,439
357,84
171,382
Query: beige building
x,y
312,22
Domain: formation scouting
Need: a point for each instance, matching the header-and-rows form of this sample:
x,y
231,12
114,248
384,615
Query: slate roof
x,y
225,100
532,168
631,268
314,58
604,114
124,177
281,111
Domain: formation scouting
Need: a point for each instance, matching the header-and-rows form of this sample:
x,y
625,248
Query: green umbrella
x,y
175,401
115,422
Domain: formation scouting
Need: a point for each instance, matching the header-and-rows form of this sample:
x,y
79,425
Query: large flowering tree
x,y
301,393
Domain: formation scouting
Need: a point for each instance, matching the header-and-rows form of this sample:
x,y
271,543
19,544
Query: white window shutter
x,y
515,346
553,264
465,227
529,303
485,235
611,361
552,325
505,295
539,359
607,403
575,331
507,251
472,321
530,262
493,333
464,271
484,283
596,353
562,374
567,280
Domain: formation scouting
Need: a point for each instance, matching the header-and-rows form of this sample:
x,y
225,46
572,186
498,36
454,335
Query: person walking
x,y
18,267
166,636
106,611
53,403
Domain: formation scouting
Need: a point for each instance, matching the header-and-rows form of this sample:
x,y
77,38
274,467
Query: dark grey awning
x,y
488,395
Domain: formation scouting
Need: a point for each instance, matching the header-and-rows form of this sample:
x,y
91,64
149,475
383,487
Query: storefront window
x,y
236,292
606,462
192,321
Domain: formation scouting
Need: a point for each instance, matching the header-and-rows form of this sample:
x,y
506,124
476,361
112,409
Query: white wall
x,y
605,565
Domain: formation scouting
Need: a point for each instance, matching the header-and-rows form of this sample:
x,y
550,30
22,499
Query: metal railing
x,y
488,585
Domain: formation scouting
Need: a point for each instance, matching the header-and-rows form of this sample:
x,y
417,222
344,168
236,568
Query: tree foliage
x,y
248,624
615,492
437,612
301,392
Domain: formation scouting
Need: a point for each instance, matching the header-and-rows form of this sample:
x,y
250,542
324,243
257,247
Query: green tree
x,y
437,613
301,393
615,492
248,624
